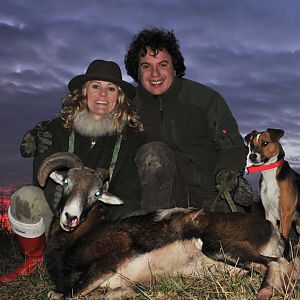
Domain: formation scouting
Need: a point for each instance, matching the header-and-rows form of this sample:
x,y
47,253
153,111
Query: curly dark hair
x,y
155,39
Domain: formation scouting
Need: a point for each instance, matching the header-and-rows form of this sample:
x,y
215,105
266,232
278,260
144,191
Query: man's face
x,y
156,71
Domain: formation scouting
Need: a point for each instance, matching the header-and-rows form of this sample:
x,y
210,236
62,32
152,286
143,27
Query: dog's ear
x,y
248,136
275,134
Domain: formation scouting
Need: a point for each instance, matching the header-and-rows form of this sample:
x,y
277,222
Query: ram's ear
x,y
199,214
108,198
58,177
201,219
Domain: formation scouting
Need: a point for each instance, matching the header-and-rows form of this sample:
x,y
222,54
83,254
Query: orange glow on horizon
x,y
5,193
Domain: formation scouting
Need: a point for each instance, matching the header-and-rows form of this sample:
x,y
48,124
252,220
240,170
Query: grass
x,y
212,287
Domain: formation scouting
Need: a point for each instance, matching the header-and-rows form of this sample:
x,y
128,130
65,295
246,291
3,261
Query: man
x,y
192,119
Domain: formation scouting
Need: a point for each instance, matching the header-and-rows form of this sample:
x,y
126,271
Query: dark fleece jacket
x,y
197,124
124,183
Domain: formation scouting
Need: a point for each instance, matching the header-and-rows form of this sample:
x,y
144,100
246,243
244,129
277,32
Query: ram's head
x,y
82,186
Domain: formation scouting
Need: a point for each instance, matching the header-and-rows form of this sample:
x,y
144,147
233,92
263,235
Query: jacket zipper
x,y
161,119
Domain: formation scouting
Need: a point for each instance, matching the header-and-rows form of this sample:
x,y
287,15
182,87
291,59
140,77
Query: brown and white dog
x,y
279,183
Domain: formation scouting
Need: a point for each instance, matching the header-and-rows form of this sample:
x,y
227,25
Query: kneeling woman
x,y
96,123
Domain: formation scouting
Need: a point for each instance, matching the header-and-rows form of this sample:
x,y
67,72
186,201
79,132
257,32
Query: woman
x,y
98,124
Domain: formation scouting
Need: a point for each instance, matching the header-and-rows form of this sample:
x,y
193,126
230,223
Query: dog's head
x,y
264,145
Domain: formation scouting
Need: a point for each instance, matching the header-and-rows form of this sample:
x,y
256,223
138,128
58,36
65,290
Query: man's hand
x,y
37,140
28,144
43,137
238,187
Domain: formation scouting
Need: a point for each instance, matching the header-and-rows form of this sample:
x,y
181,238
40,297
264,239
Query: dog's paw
x,y
265,293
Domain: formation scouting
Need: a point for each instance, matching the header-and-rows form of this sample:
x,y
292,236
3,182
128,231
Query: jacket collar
x,y
168,96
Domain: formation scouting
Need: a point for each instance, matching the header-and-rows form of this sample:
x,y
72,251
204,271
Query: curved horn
x,y
103,173
56,161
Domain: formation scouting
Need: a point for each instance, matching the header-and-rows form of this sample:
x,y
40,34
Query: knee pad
x,y
155,158
25,229
27,204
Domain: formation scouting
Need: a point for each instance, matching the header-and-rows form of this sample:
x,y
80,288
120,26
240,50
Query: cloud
x,y
247,50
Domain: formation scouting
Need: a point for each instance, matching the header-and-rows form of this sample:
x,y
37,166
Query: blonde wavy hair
x,y
75,101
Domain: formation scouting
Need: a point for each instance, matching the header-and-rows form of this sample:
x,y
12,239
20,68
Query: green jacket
x,y
124,183
195,121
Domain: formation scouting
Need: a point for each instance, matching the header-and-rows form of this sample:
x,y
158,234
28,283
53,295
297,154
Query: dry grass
x,y
221,287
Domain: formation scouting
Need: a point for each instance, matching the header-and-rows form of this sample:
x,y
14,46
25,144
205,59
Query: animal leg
x,y
59,244
54,295
268,214
91,282
100,272
54,256
298,231
237,254
298,225
287,207
271,218
95,277
285,223
78,274
277,279
266,289
121,293
92,260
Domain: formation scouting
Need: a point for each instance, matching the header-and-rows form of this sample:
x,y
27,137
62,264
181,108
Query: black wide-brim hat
x,y
106,71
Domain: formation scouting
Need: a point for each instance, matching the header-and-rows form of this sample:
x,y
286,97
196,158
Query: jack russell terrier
x,y
279,183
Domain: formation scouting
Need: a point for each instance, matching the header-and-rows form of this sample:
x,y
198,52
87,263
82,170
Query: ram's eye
x,y
66,181
97,194
264,144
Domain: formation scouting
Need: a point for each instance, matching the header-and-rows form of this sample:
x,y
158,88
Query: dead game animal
x,y
108,255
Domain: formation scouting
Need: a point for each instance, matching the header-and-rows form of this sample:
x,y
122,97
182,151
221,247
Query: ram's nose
x,y
72,221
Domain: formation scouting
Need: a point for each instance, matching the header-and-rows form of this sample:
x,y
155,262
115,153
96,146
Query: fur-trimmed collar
x,y
86,125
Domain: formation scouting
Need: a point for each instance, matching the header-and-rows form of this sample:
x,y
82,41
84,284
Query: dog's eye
x,y
66,181
264,144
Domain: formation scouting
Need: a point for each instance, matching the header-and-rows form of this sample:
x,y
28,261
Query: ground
x,y
240,287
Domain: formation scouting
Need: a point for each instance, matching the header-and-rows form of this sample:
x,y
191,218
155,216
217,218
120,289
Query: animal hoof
x,y
54,295
265,293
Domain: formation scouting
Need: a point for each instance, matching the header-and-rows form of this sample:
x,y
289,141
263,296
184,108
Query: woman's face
x,y
102,97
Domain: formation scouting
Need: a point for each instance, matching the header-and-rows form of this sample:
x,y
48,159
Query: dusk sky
x,y
249,51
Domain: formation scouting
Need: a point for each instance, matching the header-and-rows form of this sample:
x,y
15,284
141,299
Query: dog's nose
x,y
253,157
